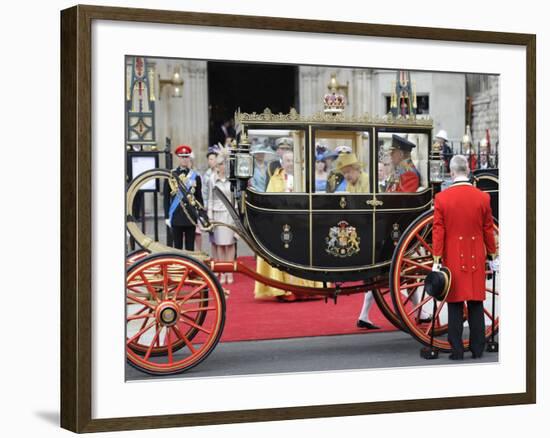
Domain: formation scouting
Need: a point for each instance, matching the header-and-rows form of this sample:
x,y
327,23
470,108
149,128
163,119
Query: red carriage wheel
x,y
409,267
135,256
383,300
175,313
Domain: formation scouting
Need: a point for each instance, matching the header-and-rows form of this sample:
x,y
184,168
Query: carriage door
x,y
401,198
342,210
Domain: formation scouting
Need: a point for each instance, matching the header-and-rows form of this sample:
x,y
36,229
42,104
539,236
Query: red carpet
x,y
250,319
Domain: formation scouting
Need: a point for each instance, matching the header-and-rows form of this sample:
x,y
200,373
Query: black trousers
x,y
178,231
476,322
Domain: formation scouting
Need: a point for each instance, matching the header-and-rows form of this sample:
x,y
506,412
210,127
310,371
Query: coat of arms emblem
x,y
342,240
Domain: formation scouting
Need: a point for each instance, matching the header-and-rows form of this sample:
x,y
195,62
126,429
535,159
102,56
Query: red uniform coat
x,y
463,236
408,178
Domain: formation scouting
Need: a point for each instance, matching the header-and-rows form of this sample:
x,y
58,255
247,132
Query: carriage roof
x,y
267,117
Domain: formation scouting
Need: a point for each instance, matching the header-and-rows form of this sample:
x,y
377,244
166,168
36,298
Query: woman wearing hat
x,y
321,173
356,181
223,237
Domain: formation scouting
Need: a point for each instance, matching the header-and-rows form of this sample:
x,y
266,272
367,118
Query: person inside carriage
x,y
284,145
335,180
282,181
404,177
321,173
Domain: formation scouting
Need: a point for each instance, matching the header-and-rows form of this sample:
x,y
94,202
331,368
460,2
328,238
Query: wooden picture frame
x,y
76,218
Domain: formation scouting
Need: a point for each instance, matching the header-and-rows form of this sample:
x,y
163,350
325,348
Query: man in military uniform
x,y
176,218
463,237
283,144
405,177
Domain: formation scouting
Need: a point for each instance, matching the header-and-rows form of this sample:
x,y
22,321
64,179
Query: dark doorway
x,y
250,87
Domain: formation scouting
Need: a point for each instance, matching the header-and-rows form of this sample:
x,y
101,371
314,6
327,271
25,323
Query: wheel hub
x,y
167,313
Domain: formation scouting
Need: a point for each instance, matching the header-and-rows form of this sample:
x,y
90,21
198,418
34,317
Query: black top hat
x,y
398,142
438,283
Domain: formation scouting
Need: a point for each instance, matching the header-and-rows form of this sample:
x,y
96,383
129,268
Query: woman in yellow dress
x,y
282,181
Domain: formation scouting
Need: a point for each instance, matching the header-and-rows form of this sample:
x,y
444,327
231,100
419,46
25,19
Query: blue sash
x,y
191,177
342,187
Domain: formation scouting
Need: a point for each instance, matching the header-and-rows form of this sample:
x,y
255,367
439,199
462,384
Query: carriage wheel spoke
x,y
134,288
149,286
198,309
491,291
435,318
418,265
419,305
412,285
138,334
188,321
192,349
424,243
150,348
181,283
140,301
140,311
164,294
139,316
168,341
409,296
192,293
489,314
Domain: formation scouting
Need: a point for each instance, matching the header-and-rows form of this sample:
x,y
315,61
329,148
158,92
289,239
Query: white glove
x,y
436,267
494,265
167,222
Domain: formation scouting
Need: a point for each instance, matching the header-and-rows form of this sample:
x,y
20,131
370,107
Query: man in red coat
x,y
463,238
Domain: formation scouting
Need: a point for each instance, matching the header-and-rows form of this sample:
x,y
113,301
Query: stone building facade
x,y
483,90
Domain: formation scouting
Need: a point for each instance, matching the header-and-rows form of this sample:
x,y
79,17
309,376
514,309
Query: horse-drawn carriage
x,y
376,240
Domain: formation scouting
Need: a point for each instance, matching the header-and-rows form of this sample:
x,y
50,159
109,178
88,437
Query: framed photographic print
x,y
260,212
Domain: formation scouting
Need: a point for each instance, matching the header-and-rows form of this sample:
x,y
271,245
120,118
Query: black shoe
x,y
424,320
366,325
477,356
454,356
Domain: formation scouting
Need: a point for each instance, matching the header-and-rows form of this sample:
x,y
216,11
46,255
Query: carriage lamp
x,y
244,166
437,170
437,165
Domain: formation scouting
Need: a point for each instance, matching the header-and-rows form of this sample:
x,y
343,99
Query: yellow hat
x,y
345,160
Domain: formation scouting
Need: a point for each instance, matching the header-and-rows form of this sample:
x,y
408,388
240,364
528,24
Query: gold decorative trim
x,y
328,118
343,202
362,210
374,202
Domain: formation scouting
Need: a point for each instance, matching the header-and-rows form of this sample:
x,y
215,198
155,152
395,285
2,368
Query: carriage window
x,y
279,160
402,162
342,160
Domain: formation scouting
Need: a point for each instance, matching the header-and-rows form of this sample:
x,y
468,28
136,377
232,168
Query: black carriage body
x,y
296,232
487,180
296,238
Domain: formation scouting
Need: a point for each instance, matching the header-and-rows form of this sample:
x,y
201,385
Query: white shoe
x,y
222,278
229,278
